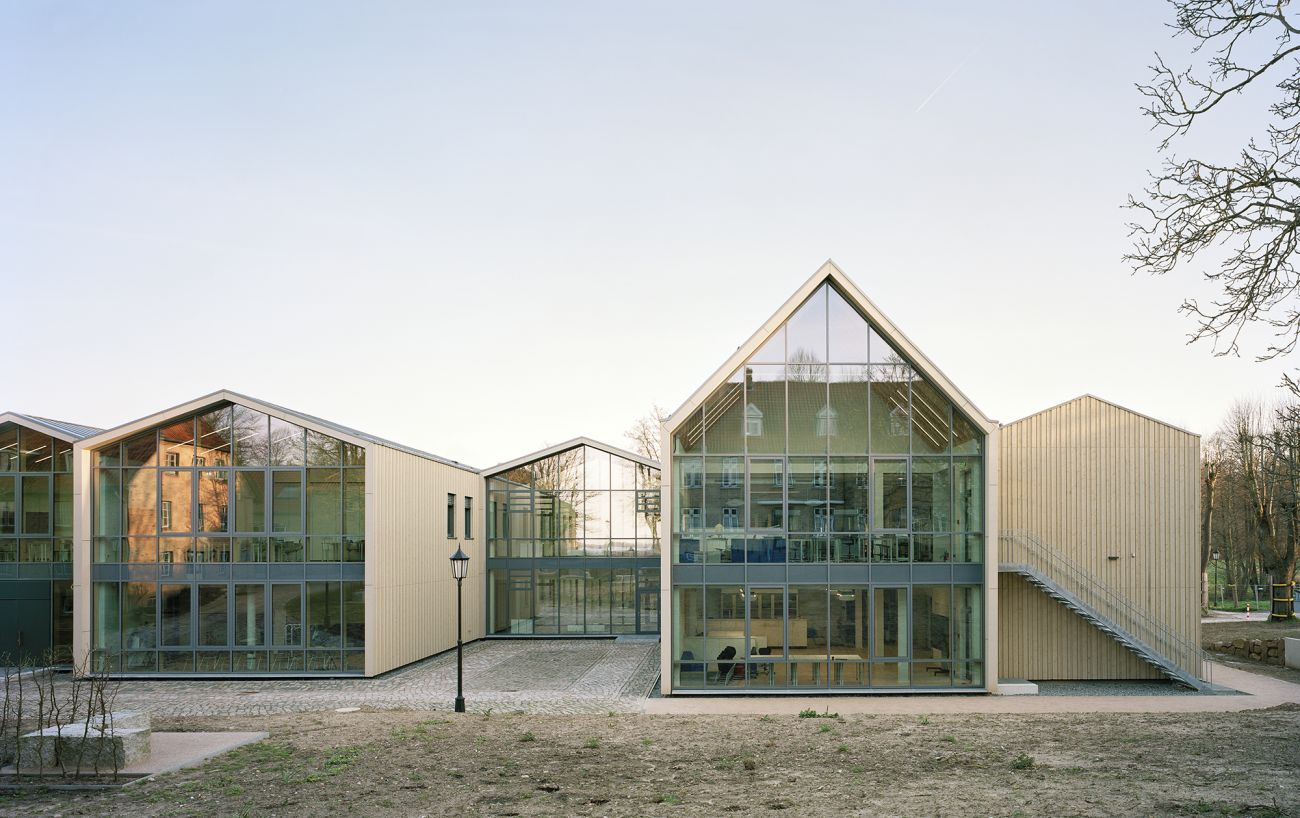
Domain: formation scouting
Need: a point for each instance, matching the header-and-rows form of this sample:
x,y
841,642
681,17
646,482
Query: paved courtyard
x,y
571,677
552,677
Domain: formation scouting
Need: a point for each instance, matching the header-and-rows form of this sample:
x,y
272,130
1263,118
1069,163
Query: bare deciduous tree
x,y
1209,477
1246,208
1250,494
644,434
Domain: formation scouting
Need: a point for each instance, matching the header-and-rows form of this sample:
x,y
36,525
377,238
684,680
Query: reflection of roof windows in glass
x,y
898,421
753,421
731,472
827,422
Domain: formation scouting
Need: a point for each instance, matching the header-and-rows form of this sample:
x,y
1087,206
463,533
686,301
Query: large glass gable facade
x,y
35,545
574,546
230,541
828,519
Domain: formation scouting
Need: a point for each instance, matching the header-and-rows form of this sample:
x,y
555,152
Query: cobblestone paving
x,y
545,677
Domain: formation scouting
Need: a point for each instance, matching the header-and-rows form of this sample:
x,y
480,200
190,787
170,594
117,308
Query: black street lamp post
x,y
459,567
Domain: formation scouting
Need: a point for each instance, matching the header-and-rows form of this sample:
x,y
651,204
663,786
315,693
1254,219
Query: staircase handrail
x,y
1103,599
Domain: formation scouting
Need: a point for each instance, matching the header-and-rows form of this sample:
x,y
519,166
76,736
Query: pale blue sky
x,y
480,228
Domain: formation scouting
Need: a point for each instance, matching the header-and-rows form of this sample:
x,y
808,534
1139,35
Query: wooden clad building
x,y
1113,494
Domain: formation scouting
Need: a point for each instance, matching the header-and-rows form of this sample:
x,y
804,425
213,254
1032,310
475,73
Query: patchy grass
x,y
378,764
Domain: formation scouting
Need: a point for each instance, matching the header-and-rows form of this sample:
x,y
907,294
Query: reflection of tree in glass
x,y
215,437
805,367
558,495
322,449
287,443
252,444
214,500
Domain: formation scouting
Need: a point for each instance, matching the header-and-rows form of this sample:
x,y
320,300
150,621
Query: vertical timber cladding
x,y
1094,481
410,593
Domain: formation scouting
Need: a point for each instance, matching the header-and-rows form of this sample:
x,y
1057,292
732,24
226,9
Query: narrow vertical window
x,y
469,518
451,516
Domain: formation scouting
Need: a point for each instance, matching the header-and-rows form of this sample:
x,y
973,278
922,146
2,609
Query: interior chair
x,y
725,668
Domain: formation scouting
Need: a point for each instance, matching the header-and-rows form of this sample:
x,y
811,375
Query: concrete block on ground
x,y
1291,649
125,741
1016,687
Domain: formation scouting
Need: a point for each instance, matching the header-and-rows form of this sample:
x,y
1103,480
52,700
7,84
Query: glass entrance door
x,y
647,601
890,636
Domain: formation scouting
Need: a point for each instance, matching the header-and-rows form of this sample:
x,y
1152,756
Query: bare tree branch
x,y
1247,209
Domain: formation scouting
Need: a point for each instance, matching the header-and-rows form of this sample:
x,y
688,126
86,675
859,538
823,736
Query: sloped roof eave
x,y
564,447
345,433
1111,403
67,432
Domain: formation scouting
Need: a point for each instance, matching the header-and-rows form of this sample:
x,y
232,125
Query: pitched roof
x,y
829,271
1112,404
67,432
564,447
227,396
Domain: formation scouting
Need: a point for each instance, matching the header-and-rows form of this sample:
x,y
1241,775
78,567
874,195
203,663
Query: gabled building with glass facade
x,y
833,505
830,508
36,522
833,515
231,536
573,543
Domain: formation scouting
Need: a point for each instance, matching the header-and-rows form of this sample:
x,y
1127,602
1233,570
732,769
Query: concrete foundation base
x,y
1016,687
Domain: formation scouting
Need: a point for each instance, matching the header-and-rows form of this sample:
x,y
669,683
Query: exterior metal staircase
x,y
1101,606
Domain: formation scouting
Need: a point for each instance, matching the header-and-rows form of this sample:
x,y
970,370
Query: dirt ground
x,y
437,763
1212,632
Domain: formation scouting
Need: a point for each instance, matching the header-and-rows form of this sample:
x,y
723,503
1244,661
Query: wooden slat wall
x,y
410,594
1093,479
1041,639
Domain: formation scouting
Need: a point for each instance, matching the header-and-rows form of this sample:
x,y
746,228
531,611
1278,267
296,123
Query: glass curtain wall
x,y
36,541
230,541
573,543
828,518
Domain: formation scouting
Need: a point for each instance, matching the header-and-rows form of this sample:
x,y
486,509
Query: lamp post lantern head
x,y
459,564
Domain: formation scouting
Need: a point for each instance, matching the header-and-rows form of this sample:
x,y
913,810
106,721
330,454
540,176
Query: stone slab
x,y
1291,647
118,747
174,751
1016,687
